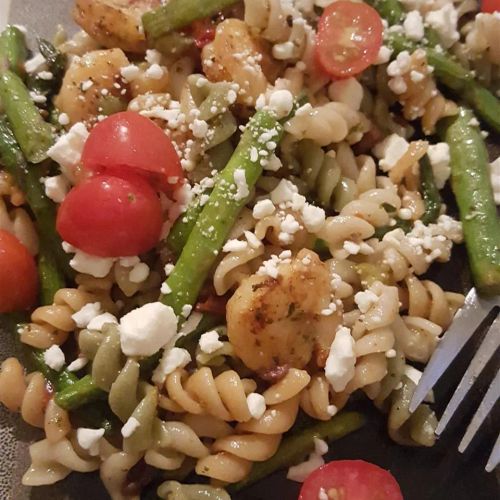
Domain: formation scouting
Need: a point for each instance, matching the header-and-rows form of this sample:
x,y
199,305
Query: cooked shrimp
x,y
276,322
114,23
235,56
89,80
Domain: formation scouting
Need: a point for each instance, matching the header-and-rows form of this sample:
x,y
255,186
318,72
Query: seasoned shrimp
x,y
235,56
114,23
90,80
282,322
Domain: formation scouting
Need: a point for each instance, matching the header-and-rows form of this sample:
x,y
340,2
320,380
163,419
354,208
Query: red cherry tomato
x,y
203,32
490,6
130,142
18,275
358,480
349,38
111,216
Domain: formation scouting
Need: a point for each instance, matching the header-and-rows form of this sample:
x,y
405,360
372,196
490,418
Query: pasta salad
x,y
217,220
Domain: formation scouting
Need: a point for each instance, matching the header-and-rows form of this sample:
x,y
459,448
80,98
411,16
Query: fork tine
x,y
485,352
494,459
489,400
465,323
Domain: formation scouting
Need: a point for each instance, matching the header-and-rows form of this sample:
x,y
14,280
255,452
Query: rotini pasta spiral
x,y
18,222
23,393
51,462
172,490
52,324
418,94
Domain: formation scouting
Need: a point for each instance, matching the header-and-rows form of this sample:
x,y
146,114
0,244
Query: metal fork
x,y
465,323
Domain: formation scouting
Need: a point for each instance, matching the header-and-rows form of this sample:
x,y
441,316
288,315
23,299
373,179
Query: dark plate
x,y
438,473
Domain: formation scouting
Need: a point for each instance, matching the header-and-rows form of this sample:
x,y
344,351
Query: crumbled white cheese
x,y
67,150
165,289
405,213
99,321
130,72
38,98
54,358
283,192
495,179
131,425
171,360
256,405
86,314
414,25
86,85
416,76
45,75
98,267
400,65
390,151
348,91
36,63
289,224
252,240
241,184
130,261
313,217
153,56
89,439
145,330
384,55
439,157
63,119
77,364
56,187
391,353
199,128
209,342
398,85
365,300
413,374
139,273
168,269
186,310
263,208
234,246
281,102
444,21
301,471
351,247
155,72
339,368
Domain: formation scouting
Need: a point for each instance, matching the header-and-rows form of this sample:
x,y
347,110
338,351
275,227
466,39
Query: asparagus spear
x,y
51,279
79,393
220,212
295,447
28,179
33,134
471,185
178,14
429,192
13,49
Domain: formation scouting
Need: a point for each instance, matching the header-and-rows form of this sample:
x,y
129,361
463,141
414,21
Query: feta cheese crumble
x,y
439,157
339,368
209,342
86,314
241,184
390,151
256,405
131,425
99,321
145,330
171,360
54,358
263,208
56,187
89,439
495,179
301,471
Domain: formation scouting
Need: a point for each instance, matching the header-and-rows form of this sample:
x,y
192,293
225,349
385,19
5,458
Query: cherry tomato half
x,y
357,479
349,38
111,216
130,142
18,275
490,6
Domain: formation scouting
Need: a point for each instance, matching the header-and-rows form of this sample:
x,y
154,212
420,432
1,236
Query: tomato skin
x,y
490,6
111,216
203,32
18,275
358,479
130,142
337,53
